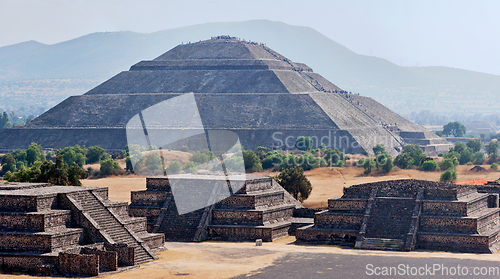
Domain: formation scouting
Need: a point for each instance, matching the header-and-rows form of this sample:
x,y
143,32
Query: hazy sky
x,y
456,33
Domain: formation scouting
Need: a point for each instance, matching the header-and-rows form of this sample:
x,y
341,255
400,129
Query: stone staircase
x,y
381,244
110,226
180,227
390,218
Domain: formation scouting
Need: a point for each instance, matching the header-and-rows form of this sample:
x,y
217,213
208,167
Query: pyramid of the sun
x,y
267,99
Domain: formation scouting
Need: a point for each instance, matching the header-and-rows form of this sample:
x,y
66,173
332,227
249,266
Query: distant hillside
x,y
75,66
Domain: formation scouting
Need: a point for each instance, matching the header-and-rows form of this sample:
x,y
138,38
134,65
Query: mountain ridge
x,y
99,56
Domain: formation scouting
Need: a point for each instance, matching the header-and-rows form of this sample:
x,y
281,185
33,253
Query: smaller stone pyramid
x,y
261,209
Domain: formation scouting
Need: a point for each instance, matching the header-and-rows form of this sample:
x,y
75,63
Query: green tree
x,y
57,174
109,167
4,121
304,143
454,129
75,173
475,145
34,153
73,155
416,153
201,156
368,165
465,156
448,163
494,166
449,176
190,167
96,154
403,161
262,152
332,157
128,165
429,165
459,147
384,162
185,148
295,182
252,161
492,148
272,159
174,167
478,158
153,162
378,149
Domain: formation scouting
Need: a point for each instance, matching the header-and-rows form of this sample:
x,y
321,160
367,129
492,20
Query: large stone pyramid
x,y
241,86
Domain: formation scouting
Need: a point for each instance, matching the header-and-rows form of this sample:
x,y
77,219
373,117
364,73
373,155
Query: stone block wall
x,y
78,264
339,221
444,208
108,260
18,203
158,183
125,254
447,224
149,197
27,262
347,205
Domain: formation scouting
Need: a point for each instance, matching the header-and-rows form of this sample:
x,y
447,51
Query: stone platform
x,y
259,209
70,230
409,214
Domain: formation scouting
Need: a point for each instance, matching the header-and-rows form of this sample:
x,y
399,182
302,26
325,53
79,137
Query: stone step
x,y
381,244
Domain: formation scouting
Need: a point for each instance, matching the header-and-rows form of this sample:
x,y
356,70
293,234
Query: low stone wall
x,y
447,224
305,212
18,203
338,220
78,264
258,184
458,243
158,183
154,241
252,201
347,204
34,263
149,197
242,217
444,208
143,211
137,224
327,236
25,242
108,260
247,233
119,208
125,254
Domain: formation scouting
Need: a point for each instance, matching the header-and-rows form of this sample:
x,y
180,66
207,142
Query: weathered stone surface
x,y
239,86
260,209
38,221
409,214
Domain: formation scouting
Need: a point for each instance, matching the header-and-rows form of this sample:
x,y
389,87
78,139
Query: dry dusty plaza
x,y
228,224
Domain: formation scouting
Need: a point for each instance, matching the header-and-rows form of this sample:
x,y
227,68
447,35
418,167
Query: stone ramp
x,y
109,225
390,218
